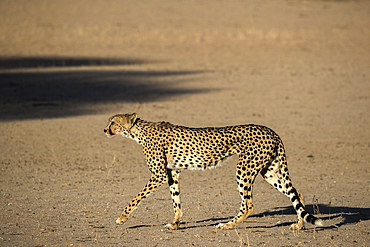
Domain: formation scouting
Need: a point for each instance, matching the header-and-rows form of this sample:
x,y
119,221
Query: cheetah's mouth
x,y
109,133
110,136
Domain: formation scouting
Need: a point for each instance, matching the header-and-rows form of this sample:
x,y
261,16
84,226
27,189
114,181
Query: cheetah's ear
x,y
132,118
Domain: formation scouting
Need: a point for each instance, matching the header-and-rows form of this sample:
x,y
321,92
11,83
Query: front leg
x,y
173,182
155,181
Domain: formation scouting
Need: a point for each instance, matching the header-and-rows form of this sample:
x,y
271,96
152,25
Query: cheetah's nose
x,y
105,130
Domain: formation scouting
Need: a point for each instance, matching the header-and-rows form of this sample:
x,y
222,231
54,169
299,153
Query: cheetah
x,y
169,149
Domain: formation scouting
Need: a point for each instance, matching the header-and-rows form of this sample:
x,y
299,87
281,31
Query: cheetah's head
x,y
120,125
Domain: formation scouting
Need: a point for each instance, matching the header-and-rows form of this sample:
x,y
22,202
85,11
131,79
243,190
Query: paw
x,y
121,220
297,226
173,226
225,226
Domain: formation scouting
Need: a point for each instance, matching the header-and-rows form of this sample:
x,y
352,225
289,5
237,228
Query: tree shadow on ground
x,y
63,88
54,62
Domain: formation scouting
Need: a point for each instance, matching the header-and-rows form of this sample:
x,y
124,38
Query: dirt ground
x,y
300,67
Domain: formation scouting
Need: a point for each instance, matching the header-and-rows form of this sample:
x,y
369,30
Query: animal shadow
x,y
349,215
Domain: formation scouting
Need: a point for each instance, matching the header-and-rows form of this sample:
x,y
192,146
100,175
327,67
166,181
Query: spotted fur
x,y
170,148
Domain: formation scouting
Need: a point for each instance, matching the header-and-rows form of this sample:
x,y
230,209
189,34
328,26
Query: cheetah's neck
x,y
139,130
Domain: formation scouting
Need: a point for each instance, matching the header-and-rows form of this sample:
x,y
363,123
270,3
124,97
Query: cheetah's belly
x,y
194,162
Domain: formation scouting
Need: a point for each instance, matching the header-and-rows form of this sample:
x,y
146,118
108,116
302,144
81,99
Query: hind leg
x,y
277,175
245,176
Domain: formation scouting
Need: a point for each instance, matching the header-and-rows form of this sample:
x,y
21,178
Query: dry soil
x,y
299,67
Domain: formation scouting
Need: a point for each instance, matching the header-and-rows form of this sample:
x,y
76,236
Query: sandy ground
x,y
299,67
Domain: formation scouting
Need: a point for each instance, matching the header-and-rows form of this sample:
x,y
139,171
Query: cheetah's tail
x,y
299,207
309,218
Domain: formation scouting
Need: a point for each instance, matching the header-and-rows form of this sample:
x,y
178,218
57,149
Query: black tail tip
x,y
313,220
